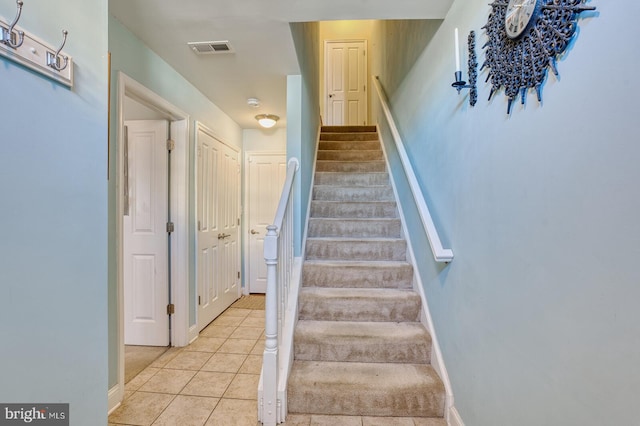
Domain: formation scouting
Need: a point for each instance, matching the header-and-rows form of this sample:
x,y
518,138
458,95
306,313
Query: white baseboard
x,y
115,397
193,333
454,418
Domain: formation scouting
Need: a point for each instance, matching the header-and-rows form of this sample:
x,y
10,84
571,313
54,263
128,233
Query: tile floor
x,y
214,381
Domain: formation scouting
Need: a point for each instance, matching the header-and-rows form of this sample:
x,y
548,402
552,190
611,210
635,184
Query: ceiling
x,y
258,31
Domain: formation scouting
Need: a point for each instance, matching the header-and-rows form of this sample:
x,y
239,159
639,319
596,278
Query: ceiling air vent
x,y
210,47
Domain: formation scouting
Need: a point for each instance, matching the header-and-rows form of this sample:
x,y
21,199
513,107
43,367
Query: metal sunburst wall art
x,y
525,37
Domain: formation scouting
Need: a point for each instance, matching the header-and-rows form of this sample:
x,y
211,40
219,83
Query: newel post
x,y
270,359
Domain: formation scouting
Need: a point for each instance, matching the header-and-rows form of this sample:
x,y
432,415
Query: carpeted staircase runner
x,y
359,348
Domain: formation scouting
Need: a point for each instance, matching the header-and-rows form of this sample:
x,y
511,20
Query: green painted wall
x,y
53,250
135,59
537,315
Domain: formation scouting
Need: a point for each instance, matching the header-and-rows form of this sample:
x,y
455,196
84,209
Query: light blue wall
x,y
537,315
131,56
53,250
303,144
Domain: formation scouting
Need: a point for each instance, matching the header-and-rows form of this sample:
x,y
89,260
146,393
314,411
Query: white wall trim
x,y
128,87
245,212
437,361
115,397
454,418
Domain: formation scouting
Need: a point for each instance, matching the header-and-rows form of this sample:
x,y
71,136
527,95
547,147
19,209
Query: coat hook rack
x,y
8,36
33,53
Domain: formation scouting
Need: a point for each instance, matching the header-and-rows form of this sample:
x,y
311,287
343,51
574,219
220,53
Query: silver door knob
x,y
254,232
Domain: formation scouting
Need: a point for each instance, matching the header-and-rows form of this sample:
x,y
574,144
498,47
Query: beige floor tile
x,y
221,331
387,421
141,409
168,381
426,421
236,312
258,348
188,360
142,378
253,322
237,346
234,412
225,363
228,321
206,344
243,386
187,411
252,365
166,357
205,383
128,394
298,420
257,314
317,420
250,333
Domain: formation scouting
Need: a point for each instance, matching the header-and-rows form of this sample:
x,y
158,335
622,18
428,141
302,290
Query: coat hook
x,y
53,59
8,36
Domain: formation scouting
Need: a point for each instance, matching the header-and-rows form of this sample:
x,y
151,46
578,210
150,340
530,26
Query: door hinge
x,y
238,221
171,309
199,302
199,226
171,145
170,227
238,274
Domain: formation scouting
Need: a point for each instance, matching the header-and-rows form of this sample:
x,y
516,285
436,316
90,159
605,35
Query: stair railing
x,y
279,257
440,254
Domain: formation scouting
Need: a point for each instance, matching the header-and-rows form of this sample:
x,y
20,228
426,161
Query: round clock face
x,y
519,14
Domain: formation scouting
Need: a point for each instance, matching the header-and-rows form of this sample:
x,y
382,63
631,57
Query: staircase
x,y
359,348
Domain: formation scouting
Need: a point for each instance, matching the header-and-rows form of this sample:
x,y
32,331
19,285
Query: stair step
x,y
352,341
350,155
358,304
353,193
318,273
356,249
351,179
345,129
349,145
357,228
349,136
339,209
365,389
350,166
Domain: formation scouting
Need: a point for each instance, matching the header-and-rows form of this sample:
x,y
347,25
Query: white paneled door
x,y
218,220
145,241
266,175
346,82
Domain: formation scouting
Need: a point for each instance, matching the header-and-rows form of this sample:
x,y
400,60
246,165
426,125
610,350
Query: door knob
x,y
331,96
220,236
254,232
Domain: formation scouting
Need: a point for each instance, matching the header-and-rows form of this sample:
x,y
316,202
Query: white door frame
x,y
245,212
179,208
365,80
194,331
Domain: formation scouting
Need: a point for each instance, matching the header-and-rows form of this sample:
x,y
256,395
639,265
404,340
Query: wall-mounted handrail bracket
x,y
29,51
9,38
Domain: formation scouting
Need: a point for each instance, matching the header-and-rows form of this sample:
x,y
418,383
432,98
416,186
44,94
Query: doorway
x,y
132,96
265,176
345,82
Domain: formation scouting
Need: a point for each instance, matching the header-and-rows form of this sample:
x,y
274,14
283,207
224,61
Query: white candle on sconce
x,y
457,51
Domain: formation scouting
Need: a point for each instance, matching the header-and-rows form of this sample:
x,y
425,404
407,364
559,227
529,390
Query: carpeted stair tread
x,y
357,274
358,304
356,249
365,389
349,136
353,341
353,193
349,145
346,129
350,166
350,155
363,209
351,179
360,228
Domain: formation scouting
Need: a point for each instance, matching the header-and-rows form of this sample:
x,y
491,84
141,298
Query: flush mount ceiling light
x,y
267,120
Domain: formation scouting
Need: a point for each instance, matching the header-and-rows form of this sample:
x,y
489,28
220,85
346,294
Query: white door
x,y
145,240
265,178
346,82
218,222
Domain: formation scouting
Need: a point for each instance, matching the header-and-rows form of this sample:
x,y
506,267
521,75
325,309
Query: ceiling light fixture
x,y
267,120
253,102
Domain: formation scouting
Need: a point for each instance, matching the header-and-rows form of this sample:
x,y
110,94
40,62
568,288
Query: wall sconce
x,y
267,120
459,83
